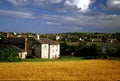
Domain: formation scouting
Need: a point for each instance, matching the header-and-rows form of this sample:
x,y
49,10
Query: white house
x,y
49,48
57,37
34,47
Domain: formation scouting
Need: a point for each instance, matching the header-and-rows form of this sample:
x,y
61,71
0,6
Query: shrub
x,y
118,53
111,52
8,55
93,52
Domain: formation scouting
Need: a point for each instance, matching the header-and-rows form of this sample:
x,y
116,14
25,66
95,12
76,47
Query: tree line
x,y
89,52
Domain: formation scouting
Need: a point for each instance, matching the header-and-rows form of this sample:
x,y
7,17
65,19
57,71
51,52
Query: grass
x,y
97,70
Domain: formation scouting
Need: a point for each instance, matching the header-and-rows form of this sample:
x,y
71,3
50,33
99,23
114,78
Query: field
x,y
97,70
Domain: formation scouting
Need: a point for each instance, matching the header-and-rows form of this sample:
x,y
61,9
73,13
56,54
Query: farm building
x,y
35,47
21,53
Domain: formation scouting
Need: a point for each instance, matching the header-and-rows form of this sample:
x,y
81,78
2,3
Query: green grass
x,y
46,60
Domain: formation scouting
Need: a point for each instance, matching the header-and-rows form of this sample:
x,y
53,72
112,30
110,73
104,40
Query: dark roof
x,y
13,47
14,40
21,40
18,49
47,41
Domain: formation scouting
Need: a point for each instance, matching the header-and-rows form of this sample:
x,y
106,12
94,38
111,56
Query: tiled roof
x,y
21,40
14,40
13,47
47,41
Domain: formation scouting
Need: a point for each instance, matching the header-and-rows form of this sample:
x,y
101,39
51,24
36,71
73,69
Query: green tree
x,y
92,52
64,48
78,50
97,52
67,50
8,55
118,53
111,52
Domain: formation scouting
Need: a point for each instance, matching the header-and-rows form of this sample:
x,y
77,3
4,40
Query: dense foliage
x,y
8,55
88,51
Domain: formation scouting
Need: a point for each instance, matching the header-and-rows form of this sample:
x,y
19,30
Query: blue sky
x,y
58,16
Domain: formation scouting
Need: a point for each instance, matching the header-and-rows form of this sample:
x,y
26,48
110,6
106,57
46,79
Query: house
x,y
35,47
57,37
21,53
49,48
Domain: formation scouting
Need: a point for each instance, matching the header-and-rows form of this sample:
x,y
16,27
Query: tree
x,y
8,55
118,53
92,52
67,50
63,48
78,50
111,52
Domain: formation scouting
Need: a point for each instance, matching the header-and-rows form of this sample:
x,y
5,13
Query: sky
x,y
59,16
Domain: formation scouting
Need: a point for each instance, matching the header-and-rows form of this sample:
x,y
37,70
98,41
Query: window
x,y
45,46
56,45
52,50
53,46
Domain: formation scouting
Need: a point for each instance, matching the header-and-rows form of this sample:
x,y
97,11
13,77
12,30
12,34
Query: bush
x,y
118,53
8,55
67,50
89,52
92,52
111,52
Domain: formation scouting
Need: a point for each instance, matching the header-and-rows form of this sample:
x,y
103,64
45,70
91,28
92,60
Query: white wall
x,y
58,52
44,50
22,55
54,51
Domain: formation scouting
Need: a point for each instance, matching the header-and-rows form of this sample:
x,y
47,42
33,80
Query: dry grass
x,y
69,70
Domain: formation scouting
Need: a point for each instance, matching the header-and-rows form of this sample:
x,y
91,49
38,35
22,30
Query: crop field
x,y
97,70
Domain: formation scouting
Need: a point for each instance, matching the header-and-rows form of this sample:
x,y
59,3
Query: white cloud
x,y
60,19
82,5
33,2
82,22
55,1
113,4
77,28
52,23
18,2
77,21
117,2
19,14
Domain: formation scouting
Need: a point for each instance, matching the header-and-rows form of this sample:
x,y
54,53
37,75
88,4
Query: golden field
x,y
61,70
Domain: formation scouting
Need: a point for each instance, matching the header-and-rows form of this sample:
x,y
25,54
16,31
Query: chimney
x,y
26,42
7,35
38,37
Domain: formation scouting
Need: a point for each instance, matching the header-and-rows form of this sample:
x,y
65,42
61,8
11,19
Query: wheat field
x,y
97,70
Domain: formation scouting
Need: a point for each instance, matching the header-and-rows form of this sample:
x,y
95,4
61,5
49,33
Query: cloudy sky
x,y
57,16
